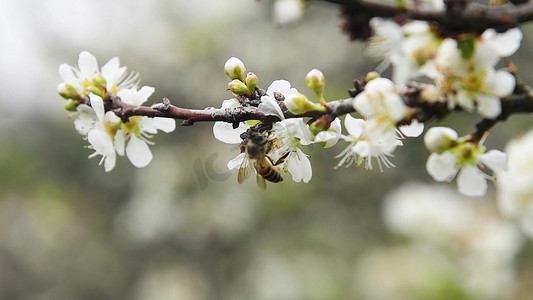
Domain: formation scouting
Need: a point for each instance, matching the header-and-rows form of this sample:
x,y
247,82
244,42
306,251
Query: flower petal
x,y
354,126
88,65
488,106
496,160
471,181
138,152
226,133
414,129
98,105
151,125
270,107
441,166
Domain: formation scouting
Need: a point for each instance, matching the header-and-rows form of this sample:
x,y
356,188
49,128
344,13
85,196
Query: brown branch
x,y
456,19
421,110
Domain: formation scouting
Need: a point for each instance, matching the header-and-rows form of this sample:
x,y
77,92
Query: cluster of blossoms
x,y
477,246
285,136
462,69
451,155
375,136
515,191
89,90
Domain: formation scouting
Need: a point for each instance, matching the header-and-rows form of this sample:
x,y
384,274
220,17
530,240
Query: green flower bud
x,y
67,91
299,104
97,90
251,81
234,68
71,105
316,81
238,87
372,75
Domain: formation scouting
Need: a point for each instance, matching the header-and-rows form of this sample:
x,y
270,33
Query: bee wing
x,y
261,182
245,170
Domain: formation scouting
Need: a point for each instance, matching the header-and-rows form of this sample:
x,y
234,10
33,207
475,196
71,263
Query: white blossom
x,y
380,100
463,159
515,191
367,140
87,76
286,12
288,136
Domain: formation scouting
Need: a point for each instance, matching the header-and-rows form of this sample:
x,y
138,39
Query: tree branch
x,y
458,18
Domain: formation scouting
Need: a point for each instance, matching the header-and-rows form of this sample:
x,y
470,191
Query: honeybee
x,y
256,148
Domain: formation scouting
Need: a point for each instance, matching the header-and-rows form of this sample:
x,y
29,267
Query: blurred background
x,y
182,228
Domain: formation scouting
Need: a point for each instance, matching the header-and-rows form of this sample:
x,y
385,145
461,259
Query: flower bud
x,y
316,81
439,139
251,81
234,68
97,90
298,104
67,91
372,75
238,87
71,105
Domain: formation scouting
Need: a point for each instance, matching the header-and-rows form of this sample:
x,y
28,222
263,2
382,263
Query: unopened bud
x,y
97,90
71,105
67,91
234,68
316,81
238,87
251,81
439,139
372,75
299,104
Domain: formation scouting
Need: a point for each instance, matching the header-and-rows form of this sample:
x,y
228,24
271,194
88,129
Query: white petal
x,y
103,145
362,148
414,129
285,12
505,44
224,132
441,166
110,161
496,160
230,103
501,84
98,105
67,75
396,107
299,166
363,105
87,65
151,125
329,137
471,181
281,86
138,152
354,126
236,161
101,142
145,92
270,107
112,72
488,106
120,142
464,100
